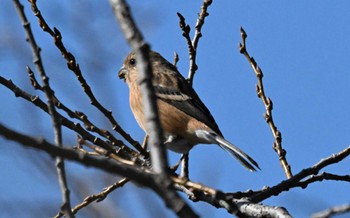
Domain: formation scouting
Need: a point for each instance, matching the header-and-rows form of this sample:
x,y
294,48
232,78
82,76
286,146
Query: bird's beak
x,y
122,73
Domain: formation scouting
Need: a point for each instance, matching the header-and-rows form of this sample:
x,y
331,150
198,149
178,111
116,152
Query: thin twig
x,y
277,145
98,197
74,67
57,126
192,45
323,176
103,152
186,29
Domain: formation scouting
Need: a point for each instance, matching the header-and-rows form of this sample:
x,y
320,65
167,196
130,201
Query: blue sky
x,y
302,48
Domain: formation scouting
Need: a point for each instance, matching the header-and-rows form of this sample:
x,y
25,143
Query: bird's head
x,y
129,66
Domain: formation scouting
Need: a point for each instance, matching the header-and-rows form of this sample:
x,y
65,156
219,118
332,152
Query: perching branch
x,y
241,204
142,176
277,145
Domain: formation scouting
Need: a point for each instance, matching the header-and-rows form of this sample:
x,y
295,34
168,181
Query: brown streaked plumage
x,y
185,119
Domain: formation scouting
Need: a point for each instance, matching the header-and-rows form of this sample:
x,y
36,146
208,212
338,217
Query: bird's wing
x,y
171,87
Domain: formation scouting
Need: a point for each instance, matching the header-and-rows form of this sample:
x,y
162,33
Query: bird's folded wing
x,y
171,87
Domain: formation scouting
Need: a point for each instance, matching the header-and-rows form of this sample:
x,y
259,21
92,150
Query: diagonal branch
x,y
57,126
100,196
74,67
323,176
296,180
157,149
277,145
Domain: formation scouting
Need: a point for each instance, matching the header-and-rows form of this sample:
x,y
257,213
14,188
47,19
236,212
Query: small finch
x,y
185,120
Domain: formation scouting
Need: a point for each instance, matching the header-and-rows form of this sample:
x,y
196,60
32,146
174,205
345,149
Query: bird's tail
x,y
241,156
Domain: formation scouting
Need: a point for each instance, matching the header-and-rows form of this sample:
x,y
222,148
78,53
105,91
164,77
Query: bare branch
x,y
323,176
240,206
186,29
277,145
100,196
66,205
158,152
138,174
248,209
135,39
199,24
192,45
337,210
295,180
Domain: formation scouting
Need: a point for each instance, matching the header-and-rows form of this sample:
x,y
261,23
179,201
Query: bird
x,y
184,118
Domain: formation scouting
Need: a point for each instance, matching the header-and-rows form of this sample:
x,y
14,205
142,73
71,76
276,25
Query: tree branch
x,y
277,145
241,204
100,196
239,207
337,210
192,45
57,126
296,180
158,152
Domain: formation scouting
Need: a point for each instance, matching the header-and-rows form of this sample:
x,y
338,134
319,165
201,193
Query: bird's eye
x,y
132,62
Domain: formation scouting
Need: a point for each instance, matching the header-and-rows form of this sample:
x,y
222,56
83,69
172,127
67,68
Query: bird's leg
x,y
176,166
144,146
145,142
184,165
